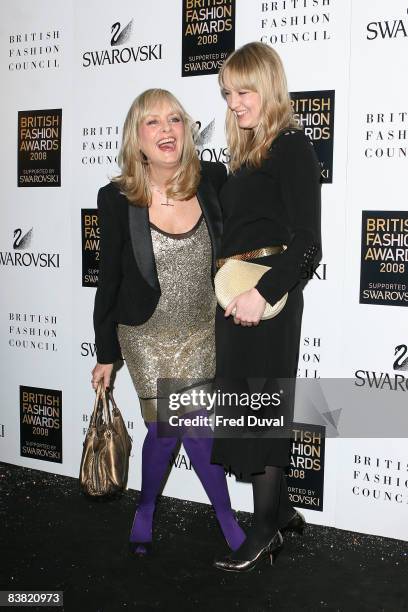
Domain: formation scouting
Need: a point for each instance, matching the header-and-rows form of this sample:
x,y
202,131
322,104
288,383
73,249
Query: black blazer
x,y
128,287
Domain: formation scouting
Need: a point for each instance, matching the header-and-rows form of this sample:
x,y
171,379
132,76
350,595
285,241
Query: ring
x,y
234,311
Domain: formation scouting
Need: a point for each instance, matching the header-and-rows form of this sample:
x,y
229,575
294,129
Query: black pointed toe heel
x,y
268,553
274,550
297,524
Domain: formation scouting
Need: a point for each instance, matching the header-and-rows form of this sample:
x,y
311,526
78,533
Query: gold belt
x,y
263,252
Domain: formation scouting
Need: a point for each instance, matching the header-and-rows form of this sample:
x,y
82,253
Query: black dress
x,y
276,204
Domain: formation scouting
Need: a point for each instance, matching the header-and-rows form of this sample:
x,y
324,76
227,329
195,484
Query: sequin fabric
x,y
178,339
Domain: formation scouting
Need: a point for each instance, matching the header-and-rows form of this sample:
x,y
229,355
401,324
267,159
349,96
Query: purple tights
x,y
156,454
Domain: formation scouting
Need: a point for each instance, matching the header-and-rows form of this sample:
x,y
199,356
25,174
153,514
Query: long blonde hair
x,y
134,177
256,67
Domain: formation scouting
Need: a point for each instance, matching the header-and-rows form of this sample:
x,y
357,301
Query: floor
x,y
53,537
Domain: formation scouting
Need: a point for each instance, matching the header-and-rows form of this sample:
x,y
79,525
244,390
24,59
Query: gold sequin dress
x,y
178,339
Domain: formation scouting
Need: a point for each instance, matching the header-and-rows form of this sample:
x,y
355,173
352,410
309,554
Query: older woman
x,y
159,230
271,214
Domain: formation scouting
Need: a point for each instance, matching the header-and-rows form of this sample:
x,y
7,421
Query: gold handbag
x,y
107,446
236,276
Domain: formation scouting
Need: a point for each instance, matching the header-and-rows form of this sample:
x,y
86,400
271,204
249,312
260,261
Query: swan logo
x,y
119,52
384,380
205,151
401,354
204,135
119,37
22,241
21,257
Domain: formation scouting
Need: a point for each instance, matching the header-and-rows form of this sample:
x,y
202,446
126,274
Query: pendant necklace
x,y
168,201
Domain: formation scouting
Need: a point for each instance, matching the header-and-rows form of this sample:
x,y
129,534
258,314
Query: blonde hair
x,y
134,177
256,67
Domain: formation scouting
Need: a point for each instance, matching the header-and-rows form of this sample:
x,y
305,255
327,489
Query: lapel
x,y
142,245
141,237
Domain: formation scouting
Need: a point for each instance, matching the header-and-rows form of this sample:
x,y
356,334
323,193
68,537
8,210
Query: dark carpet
x,y
52,537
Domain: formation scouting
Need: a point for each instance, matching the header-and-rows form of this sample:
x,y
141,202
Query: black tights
x,y
272,509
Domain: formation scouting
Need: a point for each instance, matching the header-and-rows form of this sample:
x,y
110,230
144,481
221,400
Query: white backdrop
x,y
354,48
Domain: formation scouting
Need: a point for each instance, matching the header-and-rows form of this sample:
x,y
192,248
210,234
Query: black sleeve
x,y
110,247
299,176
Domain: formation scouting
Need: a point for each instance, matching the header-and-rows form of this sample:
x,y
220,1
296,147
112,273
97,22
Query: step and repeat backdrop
x,y
70,71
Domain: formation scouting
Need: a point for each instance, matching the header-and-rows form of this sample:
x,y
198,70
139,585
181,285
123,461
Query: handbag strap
x,y
101,397
110,395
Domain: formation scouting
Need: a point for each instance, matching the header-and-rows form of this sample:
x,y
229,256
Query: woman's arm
x,y
110,247
299,174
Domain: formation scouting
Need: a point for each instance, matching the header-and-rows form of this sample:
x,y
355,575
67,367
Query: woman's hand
x,y
102,371
247,308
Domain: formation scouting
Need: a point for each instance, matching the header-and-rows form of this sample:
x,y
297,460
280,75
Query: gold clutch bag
x,y
107,445
237,276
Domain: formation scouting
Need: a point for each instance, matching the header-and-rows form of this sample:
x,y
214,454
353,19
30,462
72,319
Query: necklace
x,y
168,201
